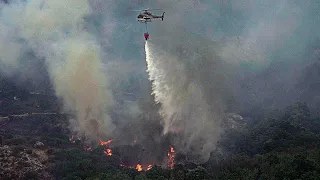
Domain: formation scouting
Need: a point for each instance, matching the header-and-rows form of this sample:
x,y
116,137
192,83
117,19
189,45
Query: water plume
x,y
185,105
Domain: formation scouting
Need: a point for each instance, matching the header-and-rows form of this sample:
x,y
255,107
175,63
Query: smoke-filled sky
x,y
243,54
268,44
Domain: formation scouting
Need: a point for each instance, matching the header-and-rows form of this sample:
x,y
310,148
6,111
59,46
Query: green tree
x,y
199,173
115,176
157,172
178,172
141,177
298,114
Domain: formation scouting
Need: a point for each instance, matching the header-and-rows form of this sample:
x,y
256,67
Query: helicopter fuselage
x,y
146,17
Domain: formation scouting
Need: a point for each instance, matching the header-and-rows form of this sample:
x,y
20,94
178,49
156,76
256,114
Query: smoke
x,y
55,31
269,32
272,52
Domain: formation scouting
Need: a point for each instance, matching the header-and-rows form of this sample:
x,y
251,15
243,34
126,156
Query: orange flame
x,y
139,167
104,143
149,167
171,156
172,149
108,152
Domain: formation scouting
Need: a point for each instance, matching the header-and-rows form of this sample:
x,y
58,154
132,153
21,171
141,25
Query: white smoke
x,y
55,30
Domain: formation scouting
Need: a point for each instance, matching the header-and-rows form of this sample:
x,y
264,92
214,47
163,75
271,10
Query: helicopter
x,y
145,16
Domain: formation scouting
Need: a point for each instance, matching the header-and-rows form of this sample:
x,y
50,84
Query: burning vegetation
x,y
139,167
171,156
106,150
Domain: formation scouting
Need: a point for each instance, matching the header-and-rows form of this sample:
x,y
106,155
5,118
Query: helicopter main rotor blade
x,y
146,10
153,9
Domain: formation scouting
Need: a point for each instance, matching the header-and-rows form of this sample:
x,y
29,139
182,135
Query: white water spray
x,y
164,84
184,108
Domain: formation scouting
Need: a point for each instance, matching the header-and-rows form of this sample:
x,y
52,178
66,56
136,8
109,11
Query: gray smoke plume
x,y
55,31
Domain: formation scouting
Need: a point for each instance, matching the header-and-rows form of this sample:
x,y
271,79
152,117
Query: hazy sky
x,y
269,43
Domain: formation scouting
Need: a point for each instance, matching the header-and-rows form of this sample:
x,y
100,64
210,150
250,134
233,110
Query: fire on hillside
x,y
107,150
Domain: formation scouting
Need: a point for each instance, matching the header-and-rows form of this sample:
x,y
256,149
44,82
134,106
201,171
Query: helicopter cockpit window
x,y
140,16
